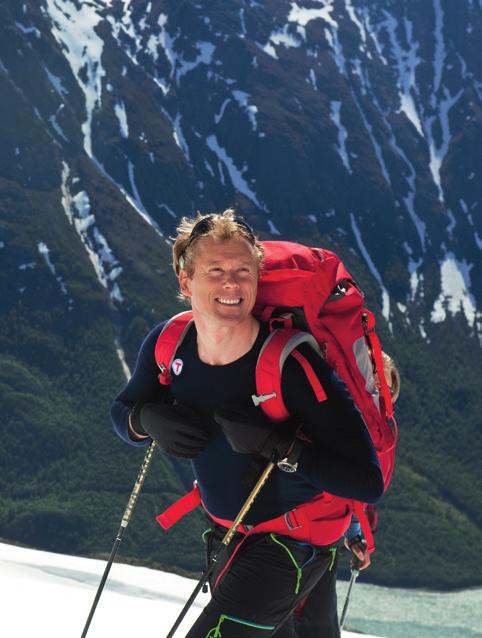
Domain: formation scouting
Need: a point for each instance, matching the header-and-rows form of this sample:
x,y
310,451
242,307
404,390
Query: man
x,y
213,421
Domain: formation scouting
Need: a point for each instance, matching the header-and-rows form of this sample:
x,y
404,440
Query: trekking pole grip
x,y
248,503
136,490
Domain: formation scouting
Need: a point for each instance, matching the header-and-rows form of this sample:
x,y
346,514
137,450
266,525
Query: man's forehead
x,y
216,250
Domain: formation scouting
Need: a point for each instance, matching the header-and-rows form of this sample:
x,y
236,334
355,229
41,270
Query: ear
x,y
184,283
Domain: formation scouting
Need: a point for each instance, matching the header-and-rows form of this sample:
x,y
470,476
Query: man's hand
x,y
248,431
358,547
176,429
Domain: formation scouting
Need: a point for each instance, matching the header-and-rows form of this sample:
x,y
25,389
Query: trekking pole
x,y
224,544
124,523
354,575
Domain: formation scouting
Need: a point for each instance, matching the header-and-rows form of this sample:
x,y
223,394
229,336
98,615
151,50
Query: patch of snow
x,y
168,208
422,331
362,73
242,99
331,35
303,16
406,63
312,78
452,223
219,116
179,137
439,151
373,269
415,279
56,591
272,228
209,168
73,27
205,56
376,146
455,295
243,23
439,52
120,112
236,175
28,30
420,226
57,128
132,181
79,214
335,107
283,37
177,133
354,18
56,82
45,252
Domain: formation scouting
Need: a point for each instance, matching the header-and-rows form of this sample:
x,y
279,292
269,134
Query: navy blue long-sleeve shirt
x,y
341,458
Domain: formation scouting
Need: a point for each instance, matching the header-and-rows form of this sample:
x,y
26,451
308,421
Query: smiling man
x,y
207,415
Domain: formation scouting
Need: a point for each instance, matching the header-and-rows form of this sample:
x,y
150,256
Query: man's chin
x,y
234,313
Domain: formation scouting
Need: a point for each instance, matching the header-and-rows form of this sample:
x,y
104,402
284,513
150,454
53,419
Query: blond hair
x,y
392,376
221,227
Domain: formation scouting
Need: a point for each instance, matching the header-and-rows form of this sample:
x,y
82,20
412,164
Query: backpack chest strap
x,y
269,369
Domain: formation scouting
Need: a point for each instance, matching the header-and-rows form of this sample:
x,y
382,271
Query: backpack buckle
x,y
261,398
291,521
165,377
284,320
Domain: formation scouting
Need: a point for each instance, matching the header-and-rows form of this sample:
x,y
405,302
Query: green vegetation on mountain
x,y
66,477
316,133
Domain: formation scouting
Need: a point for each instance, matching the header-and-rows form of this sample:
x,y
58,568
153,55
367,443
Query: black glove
x,y
248,431
176,429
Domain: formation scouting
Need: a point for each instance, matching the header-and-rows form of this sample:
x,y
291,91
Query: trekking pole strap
x,y
180,508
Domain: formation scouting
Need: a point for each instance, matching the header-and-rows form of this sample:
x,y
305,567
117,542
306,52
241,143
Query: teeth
x,y
229,302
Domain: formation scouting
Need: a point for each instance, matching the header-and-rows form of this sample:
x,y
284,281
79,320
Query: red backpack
x,y
307,295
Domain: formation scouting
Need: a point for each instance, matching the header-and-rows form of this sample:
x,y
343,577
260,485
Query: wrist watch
x,y
289,463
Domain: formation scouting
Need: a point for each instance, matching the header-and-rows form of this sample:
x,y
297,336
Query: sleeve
x,y
142,387
341,458
354,529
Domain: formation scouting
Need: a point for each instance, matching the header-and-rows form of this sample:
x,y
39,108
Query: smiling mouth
x,y
229,302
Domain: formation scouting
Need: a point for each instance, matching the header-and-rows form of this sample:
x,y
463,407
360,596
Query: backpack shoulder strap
x,y
376,353
169,341
269,369
359,509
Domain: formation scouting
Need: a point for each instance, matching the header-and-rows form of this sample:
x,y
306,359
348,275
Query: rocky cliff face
x,y
349,124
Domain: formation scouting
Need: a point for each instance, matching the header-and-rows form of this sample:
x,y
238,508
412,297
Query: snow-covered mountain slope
x,y
335,116
50,595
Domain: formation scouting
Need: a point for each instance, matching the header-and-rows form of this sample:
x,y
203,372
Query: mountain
x,y
341,123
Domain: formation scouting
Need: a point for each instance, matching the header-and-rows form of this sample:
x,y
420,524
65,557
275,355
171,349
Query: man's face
x,y
223,286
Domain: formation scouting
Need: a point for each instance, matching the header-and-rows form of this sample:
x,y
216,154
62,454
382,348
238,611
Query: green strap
x,y
333,551
215,632
299,571
205,533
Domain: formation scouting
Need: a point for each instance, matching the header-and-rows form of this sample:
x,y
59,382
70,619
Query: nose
x,y
230,279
